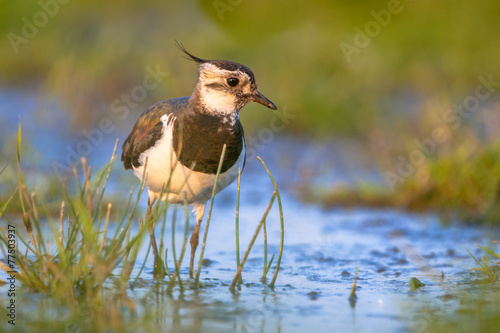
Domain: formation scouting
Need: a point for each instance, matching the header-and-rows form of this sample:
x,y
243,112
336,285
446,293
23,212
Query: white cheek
x,y
219,101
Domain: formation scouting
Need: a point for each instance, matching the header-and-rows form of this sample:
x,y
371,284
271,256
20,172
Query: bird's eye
x,y
233,82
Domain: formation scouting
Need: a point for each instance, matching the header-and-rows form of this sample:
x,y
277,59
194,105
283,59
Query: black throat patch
x,y
198,140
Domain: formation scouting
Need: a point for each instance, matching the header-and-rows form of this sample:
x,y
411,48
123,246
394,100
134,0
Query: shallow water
x,y
322,250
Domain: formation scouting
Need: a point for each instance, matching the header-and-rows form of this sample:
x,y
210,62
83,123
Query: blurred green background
x,y
90,52
419,60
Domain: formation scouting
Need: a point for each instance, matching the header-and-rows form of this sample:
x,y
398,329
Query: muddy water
x,y
322,250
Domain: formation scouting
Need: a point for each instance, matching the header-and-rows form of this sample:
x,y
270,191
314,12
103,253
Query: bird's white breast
x,y
163,166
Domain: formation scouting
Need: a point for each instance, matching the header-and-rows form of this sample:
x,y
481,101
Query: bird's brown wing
x,y
148,129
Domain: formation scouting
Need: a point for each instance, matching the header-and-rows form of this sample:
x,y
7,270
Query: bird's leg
x,y
159,267
194,245
151,227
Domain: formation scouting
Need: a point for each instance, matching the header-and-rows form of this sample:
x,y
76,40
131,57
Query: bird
x,y
176,144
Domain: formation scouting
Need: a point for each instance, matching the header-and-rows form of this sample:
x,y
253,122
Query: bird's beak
x,y
259,98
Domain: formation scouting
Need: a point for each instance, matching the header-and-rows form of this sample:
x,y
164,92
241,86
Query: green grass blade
x,y
176,265
247,253
238,222
19,174
266,269
207,224
162,233
264,273
4,207
485,249
4,167
282,224
142,267
105,173
352,296
475,258
184,243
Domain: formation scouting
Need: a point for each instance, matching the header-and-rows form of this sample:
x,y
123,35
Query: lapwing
x,y
180,140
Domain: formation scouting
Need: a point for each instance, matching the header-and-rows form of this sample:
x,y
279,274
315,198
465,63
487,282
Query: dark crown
x,y
222,64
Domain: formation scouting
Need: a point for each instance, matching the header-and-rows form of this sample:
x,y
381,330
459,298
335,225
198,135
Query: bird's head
x,y
225,86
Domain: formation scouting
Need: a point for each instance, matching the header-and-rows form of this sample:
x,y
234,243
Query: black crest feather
x,y
222,64
189,55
